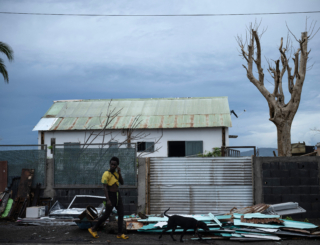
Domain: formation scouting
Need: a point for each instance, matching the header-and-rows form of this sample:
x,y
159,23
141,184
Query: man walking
x,y
110,180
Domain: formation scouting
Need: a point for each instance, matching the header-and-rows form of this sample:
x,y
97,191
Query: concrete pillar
x,y
49,190
142,185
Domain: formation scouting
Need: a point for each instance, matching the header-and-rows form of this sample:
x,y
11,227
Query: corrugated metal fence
x,y
200,185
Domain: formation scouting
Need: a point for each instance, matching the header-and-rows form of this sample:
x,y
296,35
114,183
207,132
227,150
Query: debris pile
x,y
245,226
15,204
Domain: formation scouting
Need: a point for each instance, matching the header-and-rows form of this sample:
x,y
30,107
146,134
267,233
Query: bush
x,y
216,152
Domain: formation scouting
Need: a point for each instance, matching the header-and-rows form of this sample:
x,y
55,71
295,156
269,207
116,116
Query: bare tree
x,y
281,113
108,134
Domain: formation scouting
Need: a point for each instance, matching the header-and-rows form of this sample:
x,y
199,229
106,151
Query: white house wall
x,y
211,137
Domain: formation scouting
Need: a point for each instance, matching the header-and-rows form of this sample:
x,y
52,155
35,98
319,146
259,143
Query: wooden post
x,y
3,175
42,140
148,185
223,142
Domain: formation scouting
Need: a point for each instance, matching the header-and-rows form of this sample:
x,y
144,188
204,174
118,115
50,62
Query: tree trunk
x,y
284,138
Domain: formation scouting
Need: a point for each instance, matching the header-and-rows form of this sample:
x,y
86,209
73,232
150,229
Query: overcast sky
x,y
70,57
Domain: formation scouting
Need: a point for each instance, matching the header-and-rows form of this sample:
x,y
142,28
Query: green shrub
x,y
216,152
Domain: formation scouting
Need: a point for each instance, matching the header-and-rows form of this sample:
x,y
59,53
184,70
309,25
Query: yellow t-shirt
x,y
109,179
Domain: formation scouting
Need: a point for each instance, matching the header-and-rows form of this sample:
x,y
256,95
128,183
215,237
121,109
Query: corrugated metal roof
x,y
154,113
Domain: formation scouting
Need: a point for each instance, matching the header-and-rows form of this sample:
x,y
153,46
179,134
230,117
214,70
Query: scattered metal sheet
x,y
258,208
224,218
161,224
298,224
261,216
257,230
284,208
68,213
276,238
286,223
177,230
209,238
221,230
268,230
215,219
288,233
296,230
246,239
261,220
274,232
100,197
148,227
164,219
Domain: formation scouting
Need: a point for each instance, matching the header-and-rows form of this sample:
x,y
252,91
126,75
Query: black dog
x,y
185,223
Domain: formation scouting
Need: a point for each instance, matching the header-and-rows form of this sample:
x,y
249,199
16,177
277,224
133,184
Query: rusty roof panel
x,y
261,221
155,113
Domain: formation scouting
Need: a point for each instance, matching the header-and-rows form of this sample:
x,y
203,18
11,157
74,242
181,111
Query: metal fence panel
x,y
200,185
25,156
81,166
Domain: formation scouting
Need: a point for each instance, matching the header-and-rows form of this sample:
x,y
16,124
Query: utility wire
x,y
160,15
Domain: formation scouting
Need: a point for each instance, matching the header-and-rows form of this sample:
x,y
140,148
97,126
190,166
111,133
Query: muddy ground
x,y
12,233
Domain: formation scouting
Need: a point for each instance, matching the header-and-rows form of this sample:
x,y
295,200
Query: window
x,y
145,146
184,148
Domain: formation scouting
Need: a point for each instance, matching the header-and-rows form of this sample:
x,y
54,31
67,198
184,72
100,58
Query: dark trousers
x,y
117,203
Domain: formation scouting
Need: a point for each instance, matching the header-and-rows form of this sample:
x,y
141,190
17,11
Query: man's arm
x,y
120,176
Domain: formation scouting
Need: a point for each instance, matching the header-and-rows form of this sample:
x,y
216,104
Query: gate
x,y
200,185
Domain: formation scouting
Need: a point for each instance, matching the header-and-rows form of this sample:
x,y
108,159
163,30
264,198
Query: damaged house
x,y
171,127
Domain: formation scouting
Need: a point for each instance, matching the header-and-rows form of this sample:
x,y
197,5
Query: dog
x,y
185,223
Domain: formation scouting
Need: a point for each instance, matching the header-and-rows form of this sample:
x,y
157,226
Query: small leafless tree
x,y
107,134
281,113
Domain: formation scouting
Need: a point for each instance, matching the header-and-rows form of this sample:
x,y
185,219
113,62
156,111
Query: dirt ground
x,y
11,233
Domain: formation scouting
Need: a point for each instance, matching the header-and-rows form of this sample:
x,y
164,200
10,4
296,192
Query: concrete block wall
x,y
288,179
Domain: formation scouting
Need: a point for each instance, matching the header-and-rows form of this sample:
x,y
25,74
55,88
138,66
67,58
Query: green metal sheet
x,y
223,216
287,223
260,216
155,113
215,219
